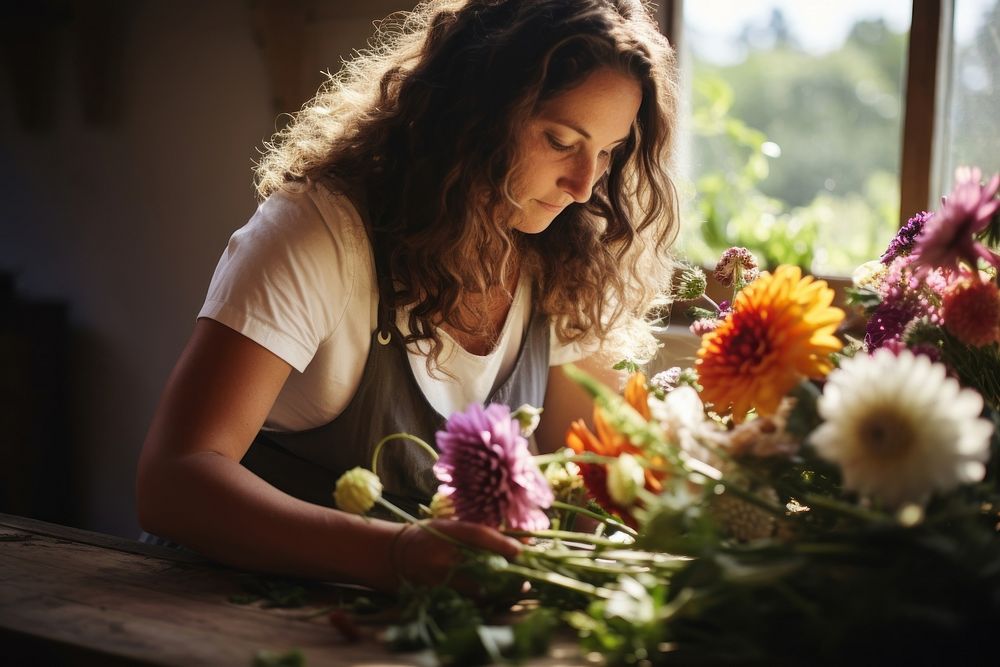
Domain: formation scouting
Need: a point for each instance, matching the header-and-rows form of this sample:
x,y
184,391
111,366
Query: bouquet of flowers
x,y
790,498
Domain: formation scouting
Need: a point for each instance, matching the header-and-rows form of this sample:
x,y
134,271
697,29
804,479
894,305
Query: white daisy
x,y
900,429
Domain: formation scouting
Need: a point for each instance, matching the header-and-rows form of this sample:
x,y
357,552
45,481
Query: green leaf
x,y
626,365
290,658
533,634
804,417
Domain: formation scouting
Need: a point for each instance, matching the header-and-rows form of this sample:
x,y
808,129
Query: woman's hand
x,y
421,557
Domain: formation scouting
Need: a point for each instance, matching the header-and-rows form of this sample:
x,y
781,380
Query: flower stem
x,y
585,538
711,302
408,518
618,525
555,579
847,509
586,457
399,436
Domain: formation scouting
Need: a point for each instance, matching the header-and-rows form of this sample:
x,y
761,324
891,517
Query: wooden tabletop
x,y
73,597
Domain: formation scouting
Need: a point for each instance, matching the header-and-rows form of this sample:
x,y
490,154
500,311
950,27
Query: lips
x,y
550,207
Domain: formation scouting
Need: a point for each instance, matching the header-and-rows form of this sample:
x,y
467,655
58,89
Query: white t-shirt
x,y
299,279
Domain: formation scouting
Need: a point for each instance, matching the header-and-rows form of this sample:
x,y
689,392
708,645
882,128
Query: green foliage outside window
x,y
797,155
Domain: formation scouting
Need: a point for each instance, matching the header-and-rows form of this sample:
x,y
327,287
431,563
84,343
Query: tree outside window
x,y
795,127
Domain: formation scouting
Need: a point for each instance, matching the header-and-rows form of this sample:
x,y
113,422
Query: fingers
x,y
478,536
422,557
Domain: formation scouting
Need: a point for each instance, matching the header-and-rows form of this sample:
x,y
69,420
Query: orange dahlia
x,y
608,442
971,311
781,330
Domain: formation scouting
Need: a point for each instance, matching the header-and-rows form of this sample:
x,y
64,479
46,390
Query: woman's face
x,y
567,147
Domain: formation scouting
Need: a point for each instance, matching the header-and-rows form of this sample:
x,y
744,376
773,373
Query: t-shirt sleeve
x,y
284,279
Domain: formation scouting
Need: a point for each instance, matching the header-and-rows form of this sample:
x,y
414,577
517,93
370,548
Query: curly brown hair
x,y
436,105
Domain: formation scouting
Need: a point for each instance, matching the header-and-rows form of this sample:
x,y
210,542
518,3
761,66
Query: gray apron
x,y
307,464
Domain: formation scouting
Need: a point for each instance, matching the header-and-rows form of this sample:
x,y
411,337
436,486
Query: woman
x,y
475,201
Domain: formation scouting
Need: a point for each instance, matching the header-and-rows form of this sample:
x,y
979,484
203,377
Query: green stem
x,y
555,579
586,457
583,563
410,519
618,525
586,538
399,436
846,509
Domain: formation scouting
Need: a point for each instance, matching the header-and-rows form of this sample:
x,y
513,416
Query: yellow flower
x,y
357,490
780,331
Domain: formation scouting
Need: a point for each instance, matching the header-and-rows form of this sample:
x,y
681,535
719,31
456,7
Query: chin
x,y
534,224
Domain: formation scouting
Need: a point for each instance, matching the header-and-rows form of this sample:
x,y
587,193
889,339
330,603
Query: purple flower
x,y
950,235
904,291
886,324
902,243
487,470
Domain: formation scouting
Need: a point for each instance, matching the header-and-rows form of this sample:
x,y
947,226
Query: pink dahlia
x,y
488,473
949,236
971,312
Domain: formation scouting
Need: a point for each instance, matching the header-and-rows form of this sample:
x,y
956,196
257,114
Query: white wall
x,y
125,223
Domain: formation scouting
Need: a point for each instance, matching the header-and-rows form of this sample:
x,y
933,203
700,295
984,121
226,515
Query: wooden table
x,y
73,597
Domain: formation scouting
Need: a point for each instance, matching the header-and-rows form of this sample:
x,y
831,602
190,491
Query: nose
x,y
579,177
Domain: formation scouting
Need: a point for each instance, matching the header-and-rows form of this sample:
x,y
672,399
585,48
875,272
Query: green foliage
x,y
291,658
454,626
270,591
627,365
797,154
863,297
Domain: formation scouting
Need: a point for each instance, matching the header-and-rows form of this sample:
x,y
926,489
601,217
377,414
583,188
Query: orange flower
x,y
608,442
637,395
779,332
971,311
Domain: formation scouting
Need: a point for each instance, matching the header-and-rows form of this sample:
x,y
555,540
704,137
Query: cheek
x,y
536,175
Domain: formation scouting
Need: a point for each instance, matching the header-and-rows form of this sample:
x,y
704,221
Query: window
x,y
969,117
794,129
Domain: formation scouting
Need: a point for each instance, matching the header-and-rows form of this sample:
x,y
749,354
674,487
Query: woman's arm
x,y
191,488
566,401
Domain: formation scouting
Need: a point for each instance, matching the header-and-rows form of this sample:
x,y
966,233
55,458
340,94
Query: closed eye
x,y
556,144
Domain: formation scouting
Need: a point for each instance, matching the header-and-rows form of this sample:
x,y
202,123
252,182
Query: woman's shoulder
x,y
313,206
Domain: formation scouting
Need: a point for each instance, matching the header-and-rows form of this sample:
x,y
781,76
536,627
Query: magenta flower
x,y
886,324
488,473
949,236
903,290
902,243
